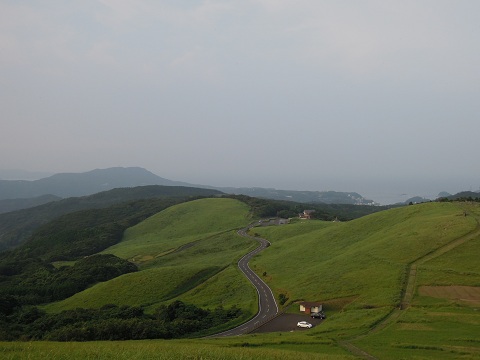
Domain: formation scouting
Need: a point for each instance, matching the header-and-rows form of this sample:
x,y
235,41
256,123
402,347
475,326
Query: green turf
x,y
358,269
204,248
459,266
428,333
180,225
143,288
169,350
365,258
454,267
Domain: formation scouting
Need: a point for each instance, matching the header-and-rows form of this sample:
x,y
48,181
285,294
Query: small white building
x,y
310,307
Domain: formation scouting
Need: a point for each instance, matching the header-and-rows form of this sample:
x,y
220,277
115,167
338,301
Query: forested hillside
x,y
33,274
8,205
17,226
27,271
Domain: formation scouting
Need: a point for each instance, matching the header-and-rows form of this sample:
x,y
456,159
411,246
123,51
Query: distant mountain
x,y
326,197
465,195
443,194
81,184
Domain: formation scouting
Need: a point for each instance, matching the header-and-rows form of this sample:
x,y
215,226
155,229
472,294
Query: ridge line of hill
x,y
65,185
17,226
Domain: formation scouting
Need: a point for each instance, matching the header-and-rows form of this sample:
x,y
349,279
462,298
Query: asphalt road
x,y
267,305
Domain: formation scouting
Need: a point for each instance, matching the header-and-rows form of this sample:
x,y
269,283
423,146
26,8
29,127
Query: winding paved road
x,y
267,306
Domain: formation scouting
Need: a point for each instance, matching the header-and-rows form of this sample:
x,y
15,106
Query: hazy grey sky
x,y
367,96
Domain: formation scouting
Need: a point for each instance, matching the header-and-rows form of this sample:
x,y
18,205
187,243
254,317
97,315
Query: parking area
x,y
287,322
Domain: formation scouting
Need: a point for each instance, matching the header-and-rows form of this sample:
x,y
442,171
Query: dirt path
x,y
355,350
409,290
412,273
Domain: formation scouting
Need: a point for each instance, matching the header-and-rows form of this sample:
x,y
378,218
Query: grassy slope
x,y
179,225
345,259
209,256
17,226
454,267
166,350
437,328
364,260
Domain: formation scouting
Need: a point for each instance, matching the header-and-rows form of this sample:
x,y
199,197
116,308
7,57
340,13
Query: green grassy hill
x,y
401,283
188,252
17,226
180,225
361,270
344,259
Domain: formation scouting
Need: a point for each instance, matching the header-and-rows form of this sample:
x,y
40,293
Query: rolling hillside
x,y
400,283
421,259
17,226
182,252
383,243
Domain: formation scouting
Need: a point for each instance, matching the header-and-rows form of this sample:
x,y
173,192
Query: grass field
x,y
434,332
168,350
365,258
186,252
358,269
179,225
365,261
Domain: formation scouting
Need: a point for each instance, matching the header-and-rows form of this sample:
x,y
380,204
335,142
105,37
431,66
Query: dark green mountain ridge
x,y
8,205
87,183
17,226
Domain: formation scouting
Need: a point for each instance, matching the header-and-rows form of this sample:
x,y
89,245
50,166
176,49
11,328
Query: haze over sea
x,y
379,98
382,192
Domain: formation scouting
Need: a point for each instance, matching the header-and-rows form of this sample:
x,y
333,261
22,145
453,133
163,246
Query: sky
x,y
378,97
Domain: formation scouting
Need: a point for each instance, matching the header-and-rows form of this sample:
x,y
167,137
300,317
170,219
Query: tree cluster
x,y
33,281
265,208
460,199
111,322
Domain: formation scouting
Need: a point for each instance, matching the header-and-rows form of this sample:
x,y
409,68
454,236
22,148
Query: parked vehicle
x,y
304,324
318,315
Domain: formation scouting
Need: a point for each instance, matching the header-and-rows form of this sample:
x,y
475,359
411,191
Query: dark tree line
x,y
460,199
263,208
110,322
33,281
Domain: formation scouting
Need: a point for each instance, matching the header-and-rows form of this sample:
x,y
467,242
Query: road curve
x,y
267,306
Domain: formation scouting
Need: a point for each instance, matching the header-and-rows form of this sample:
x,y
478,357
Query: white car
x,y
304,324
